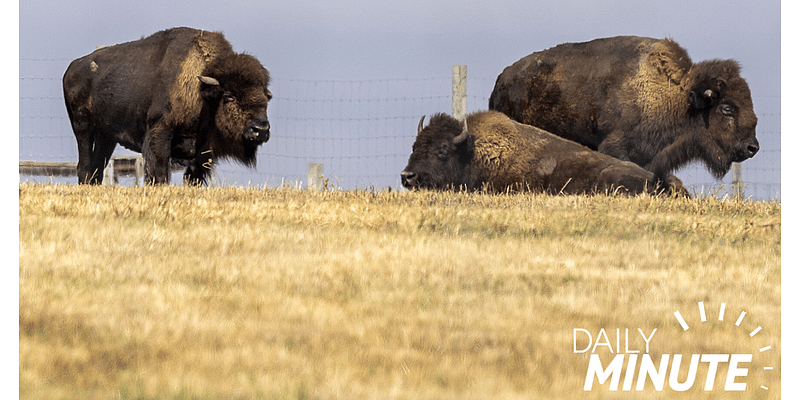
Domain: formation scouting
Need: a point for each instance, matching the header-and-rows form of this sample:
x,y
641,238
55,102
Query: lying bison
x,y
637,99
498,154
180,94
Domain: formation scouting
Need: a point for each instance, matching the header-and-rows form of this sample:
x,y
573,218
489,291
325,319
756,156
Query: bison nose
x,y
258,131
409,179
752,149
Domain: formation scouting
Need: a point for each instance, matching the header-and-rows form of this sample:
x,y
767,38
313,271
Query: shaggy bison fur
x,y
181,94
638,99
498,154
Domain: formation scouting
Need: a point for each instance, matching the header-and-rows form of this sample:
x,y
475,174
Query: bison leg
x,y
631,179
198,169
676,155
85,144
103,149
626,177
156,153
614,146
676,187
670,158
94,151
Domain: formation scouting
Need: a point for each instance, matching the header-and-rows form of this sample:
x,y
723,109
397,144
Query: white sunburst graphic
x,y
742,315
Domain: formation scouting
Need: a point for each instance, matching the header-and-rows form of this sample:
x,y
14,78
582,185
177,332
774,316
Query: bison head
x,y
235,89
722,98
440,156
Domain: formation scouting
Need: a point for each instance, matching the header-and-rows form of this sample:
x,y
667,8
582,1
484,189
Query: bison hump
x,y
669,59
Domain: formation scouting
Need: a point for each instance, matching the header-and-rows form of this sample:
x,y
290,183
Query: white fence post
x,y
738,187
460,92
139,170
315,176
123,165
108,173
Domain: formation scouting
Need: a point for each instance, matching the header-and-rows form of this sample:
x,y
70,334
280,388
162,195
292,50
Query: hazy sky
x,y
364,40
367,39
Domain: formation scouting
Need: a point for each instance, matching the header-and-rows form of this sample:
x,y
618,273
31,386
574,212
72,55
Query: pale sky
x,y
357,40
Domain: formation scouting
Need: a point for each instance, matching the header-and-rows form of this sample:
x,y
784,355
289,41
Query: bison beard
x,y
498,154
181,94
637,99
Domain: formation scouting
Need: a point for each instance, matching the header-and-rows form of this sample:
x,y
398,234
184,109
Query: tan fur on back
x,y
659,87
501,151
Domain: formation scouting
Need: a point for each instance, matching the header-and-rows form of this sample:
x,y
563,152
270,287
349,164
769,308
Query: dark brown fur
x,y
499,154
638,99
148,96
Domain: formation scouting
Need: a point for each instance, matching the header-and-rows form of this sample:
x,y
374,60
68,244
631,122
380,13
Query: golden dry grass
x,y
205,293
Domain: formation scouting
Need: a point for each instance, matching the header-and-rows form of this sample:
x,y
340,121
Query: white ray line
x,y
764,387
681,321
721,311
702,312
763,349
755,331
768,368
741,317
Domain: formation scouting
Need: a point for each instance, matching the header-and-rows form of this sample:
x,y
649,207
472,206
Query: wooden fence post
x,y
315,176
139,170
460,92
738,187
108,173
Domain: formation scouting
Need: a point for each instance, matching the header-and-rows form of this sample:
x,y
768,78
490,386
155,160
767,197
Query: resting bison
x,y
637,99
499,154
179,94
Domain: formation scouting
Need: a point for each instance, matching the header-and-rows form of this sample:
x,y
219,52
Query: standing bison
x,y
499,154
637,99
180,94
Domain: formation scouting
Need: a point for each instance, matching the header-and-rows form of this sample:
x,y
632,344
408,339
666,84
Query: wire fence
x,y
361,131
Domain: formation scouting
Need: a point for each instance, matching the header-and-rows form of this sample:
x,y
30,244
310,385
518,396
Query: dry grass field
x,y
235,293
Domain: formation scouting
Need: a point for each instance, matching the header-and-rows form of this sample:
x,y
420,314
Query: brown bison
x,y
498,154
638,99
180,94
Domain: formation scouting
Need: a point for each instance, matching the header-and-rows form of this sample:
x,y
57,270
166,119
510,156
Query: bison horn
x,y
208,80
419,127
462,136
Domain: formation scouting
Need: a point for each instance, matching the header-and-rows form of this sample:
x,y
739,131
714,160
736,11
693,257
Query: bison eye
x,y
727,110
227,97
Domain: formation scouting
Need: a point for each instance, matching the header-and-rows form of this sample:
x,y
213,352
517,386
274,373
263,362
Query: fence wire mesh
x,y
361,131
